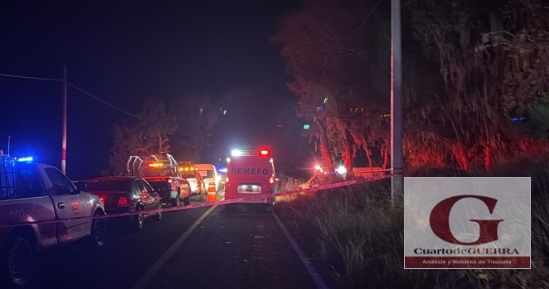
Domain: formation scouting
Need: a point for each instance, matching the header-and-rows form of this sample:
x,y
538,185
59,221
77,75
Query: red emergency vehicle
x,y
250,173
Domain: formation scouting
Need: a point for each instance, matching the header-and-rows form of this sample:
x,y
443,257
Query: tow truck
x,y
41,208
162,172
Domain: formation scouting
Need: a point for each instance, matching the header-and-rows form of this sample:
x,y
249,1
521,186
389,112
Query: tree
x,y
150,135
196,116
330,53
311,98
492,60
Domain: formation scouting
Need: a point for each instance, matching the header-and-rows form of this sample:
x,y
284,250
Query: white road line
x,y
310,268
146,279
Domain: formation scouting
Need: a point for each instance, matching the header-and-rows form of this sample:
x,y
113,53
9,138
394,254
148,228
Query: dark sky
x,y
126,51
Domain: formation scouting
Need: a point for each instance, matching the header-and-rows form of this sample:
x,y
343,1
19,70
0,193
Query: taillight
x,y
102,199
123,202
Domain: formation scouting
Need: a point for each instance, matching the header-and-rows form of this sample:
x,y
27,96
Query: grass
x,y
356,236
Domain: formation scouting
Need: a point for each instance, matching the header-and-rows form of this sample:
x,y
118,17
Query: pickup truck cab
x,y
41,208
162,172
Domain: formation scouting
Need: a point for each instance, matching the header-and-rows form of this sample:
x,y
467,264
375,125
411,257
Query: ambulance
x,y
250,173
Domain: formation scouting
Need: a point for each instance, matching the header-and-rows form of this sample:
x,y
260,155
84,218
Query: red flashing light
x,y
102,199
264,152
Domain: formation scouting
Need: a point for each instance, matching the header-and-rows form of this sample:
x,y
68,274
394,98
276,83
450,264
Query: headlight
x,y
341,170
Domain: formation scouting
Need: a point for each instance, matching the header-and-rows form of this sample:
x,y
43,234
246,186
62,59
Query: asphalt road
x,y
244,249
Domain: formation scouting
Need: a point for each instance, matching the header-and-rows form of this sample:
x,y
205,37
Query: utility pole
x,y
64,141
397,163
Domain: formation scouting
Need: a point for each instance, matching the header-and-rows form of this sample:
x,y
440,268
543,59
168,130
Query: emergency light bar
x,y
156,165
25,160
262,152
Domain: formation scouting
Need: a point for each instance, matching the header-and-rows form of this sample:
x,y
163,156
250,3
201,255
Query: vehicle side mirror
x,y
80,185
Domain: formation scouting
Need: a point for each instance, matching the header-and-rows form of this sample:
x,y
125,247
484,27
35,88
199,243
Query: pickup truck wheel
x,y
99,230
139,220
158,216
187,200
175,202
19,261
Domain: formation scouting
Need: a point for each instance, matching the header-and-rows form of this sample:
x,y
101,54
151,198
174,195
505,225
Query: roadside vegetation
x,y
181,127
475,90
475,100
354,235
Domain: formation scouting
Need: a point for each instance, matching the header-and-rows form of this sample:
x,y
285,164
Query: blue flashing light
x,y
223,170
26,160
517,118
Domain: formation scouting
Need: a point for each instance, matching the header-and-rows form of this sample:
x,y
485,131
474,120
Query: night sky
x,y
126,51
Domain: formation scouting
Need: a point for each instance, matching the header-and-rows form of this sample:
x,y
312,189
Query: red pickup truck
x,y
41,208
162,172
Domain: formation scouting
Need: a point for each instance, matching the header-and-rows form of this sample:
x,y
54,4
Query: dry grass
x,y
358,234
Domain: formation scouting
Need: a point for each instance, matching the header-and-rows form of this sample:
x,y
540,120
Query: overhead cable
x,y
103,101
30,77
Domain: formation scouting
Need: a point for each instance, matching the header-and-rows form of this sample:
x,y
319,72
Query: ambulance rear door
x,y
249,175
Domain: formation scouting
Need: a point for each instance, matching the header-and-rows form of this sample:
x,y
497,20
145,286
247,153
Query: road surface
x,y
245,249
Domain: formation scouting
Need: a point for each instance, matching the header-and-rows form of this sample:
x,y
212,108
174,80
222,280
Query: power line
x,y
85,92
76,87
368,16
30,77
113,106
372,11
175,137
103,101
